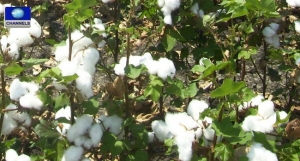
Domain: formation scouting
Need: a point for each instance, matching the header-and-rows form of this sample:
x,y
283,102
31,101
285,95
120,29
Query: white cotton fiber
x,y
101,44
99,27
84,84
35,30
250,122
13,51
172,121
88,144
266,109
30,100
61,53
258,153
81,45
209,133
152,66
64,129
160,3
83,123
255,101
184,120
166,10
268,32
9,124
198,133
64,112
276,41
31,87
107,1
80,140
11,155
112,123
274,26
95,134
88,67
184,142
150,137
91,55
20,36
23,157
172,4
23,118
97,21
168,19
3,42
16,90
119,69
146,58
67,68
293,3
297,26
76,35
73,153
195,107
1,9
161,130
195,8
166,69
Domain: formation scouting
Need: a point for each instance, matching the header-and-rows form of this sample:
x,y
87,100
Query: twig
x,y
72,104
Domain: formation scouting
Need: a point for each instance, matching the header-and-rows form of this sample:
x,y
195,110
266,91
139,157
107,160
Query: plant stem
x,y
116,17
161,103
72,96
264,69
3,84
220,115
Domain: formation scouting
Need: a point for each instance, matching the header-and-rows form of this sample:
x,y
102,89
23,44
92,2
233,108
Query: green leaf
x,y
134,72
190,91
173,89
224,151
71,21
45,98
246,54
70,78
169,42
61,101
85,14
60,148
13,69
30,62
87,4
261,138
228,87
91,106
117,148
108,141
44,129
225,128
153,92
73,6
141,155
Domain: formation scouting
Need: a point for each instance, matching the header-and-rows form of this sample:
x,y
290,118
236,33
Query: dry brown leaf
x,y
50,63
116,88
292,129
36,69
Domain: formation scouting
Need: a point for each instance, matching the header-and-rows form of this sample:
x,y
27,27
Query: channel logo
x,y
17,17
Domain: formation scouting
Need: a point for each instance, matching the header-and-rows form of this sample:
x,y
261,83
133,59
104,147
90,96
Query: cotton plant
x,y
14,119
163,67
258,153
185,128
112,124
270,35
12,155
98,27
84,58
254,102
264,120
167,6
293,3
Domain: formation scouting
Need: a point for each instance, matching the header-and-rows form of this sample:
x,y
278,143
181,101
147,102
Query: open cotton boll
x,y
1,9
101,44
64,112
107,1
161,130
173,123
85,159
13,51
135,60
80,140
35,29
269,40
91,55
195,8
95,134
258,153
16,90
166,10
11,155
30,100
83,123
276,41
3,42
268,32
152,66
61,53
84,83
119,69
87,67
168,19
75,36
250,122
255,101
166,69
67,68
150,137
266,109
274,26
146,58
99,27
297,26
81,45
184,142
9,124
63,130
31,87
209,133
184,120
293,3
172,4
198,133
20,36
112,123
23,157
73,153
160,3
88,144
195,107
23,118
97,20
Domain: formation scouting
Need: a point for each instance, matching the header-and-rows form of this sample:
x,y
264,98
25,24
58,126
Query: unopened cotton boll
x,y
11,155
258,153
16,90
266,109
168,19
166,69
84,84
161,130
73,153
195,107
297,26
95,134
268,32
30,100
23,157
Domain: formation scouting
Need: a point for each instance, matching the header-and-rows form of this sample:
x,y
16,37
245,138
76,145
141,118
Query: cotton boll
x,y
88,144
168,19
31,101
135,60
83,123
146,58
297,62
23,118
152,66
195,107
84,84
174,124
150,137
86,159
11,154
23,157
31,87
81,45
19,36
13,51
97,21
255,101
16,90
293,3
195,8
76,35
167,68
250,122
64,129
297,26
161,130
276,41
166,11
160,3
266,109
8,125
95,134
198,133
61,53
80,140
258,153
3,41
64,112
35,30
1,9
87,67
101,44
209,133
99,27
187,121
269,40
73,153
274,26
112,123
67,68
107,1
91,55
172,4
184,142
59,86
268,32
119,69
